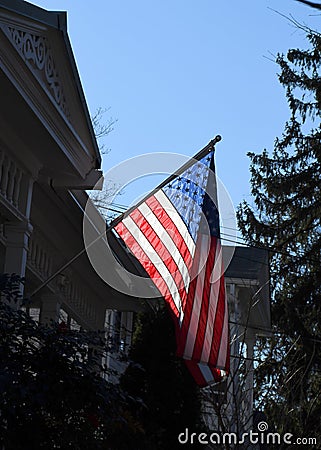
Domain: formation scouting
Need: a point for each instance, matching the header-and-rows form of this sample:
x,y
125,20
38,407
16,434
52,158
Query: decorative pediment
x,y
40,72
36,51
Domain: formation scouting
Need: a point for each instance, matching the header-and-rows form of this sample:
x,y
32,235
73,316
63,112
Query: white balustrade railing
x,y
78,299
43,259
40,255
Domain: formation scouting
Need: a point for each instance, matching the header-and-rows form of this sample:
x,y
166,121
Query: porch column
x,y
17,234
50,309
233,392
126,330
249,380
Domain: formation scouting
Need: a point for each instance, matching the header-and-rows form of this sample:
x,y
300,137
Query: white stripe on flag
x,y
177,220
155,259
197,301
213,300
167,241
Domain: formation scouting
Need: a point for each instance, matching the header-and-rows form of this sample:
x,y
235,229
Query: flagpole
x,y
207,149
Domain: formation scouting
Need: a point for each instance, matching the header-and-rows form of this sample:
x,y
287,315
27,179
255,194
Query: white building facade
x,y
48,159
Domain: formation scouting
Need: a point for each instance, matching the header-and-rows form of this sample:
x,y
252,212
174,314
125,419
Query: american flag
x,y
174,233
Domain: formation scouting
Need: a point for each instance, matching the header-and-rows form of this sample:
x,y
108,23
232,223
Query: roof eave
x,y
82,97
55,19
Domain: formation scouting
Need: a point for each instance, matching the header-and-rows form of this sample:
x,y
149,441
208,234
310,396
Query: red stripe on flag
x,y
218,324
206,303
190,303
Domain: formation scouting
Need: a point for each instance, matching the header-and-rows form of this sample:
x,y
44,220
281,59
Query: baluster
x,y
30,249
50,266
17,186
67,289
42,260
12,175
5,175
1,166
46,265
37,255
72,291
34,252
1,160
87,307
90,309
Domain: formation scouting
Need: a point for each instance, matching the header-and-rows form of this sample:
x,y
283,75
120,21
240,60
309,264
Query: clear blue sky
x,y
176,72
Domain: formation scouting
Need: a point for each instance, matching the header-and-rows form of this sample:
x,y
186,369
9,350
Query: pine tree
x,y
286,217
